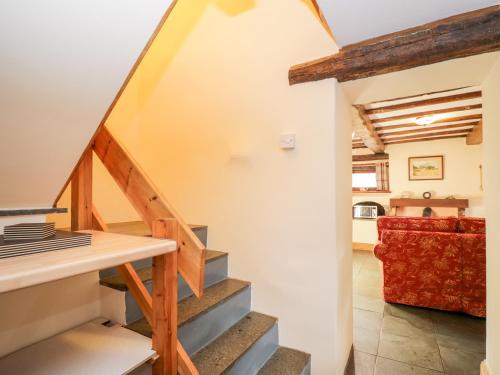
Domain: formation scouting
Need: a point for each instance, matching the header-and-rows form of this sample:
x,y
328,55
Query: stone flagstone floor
x,y
394,339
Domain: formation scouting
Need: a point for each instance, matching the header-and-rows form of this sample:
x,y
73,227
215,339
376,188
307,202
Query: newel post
x,y
81,194
165,300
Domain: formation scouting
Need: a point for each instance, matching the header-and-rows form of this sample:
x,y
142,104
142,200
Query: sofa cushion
x,y
427,224
474,225
422,268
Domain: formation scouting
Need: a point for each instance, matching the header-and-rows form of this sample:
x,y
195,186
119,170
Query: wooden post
x,y
165,301
81,194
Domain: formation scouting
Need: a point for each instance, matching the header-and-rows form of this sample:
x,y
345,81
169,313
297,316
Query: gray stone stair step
x,y
145,273
242,349
191,307
139,228
286,361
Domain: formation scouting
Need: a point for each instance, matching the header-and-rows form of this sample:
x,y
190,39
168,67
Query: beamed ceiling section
x,y
454,113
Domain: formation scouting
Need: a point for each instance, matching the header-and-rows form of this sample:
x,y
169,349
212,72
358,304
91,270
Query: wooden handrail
x,y
151,205
184,364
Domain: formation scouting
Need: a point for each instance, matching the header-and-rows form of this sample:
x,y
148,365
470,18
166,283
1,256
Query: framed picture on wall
x,y
426,168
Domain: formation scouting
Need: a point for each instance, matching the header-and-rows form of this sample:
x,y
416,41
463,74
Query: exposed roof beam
x,y
446,120
321,17
475,137
428,113
427,139
419,95
359,145
365,130
372,157
420,103
462,35
418,136
428,129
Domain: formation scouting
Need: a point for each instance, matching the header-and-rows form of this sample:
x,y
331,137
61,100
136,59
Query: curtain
x,y
382,170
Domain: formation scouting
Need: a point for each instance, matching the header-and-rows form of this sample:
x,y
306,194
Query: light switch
x,y
287,141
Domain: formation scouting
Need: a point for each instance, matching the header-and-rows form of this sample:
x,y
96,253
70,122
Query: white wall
x,y
461,179
62,64
491,91
203,117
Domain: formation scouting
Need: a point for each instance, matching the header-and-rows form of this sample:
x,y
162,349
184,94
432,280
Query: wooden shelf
x,y
354,192
92,348
450,203
107,250
33,211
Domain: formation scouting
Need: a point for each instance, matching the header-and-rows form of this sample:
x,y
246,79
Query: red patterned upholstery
x,y
474,274
431,224
433,268
473,225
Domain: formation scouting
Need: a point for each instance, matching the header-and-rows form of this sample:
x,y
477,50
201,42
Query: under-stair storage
x,y
92,348
98,346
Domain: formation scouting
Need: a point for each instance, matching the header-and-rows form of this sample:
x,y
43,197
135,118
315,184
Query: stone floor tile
x,y
368,303
367,319
458,362
366,340
363,364
457,324
404,342
386,366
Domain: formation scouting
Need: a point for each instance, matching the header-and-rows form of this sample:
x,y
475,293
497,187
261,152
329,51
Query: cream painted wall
x,y
451,74
491,91
462,179
203,117
62,64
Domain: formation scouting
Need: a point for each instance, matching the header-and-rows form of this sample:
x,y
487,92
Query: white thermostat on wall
x,y
287,141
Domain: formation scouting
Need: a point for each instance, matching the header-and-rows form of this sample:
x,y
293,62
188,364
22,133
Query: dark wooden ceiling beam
x,y
370,157
475,117
359,145
475,137
428,129
427,113
462,35
418,136
365,130
420,103
428,139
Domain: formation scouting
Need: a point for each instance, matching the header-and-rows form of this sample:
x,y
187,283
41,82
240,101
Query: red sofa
x,y
434,262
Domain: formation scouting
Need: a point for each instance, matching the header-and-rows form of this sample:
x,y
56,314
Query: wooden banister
x,y
151,205
164,322
160,309
81,194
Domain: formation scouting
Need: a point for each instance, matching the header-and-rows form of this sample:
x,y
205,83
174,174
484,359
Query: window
x,y
364,180
370,177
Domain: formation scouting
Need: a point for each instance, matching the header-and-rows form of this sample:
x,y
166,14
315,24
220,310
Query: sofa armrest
x,y
380,250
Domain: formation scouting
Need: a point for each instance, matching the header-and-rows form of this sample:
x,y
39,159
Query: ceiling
x,y
454,114
356,20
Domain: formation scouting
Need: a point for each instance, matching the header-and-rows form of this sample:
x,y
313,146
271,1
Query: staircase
x,y
219,331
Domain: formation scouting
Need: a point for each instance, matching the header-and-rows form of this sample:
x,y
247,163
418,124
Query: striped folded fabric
x,y
60,240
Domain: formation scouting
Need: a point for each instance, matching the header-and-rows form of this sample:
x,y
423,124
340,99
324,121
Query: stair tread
x,y
146,273
286,361
223,352
138,228
191,307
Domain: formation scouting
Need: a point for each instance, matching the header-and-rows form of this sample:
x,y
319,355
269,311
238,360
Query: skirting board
x,y
484,369
362,246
